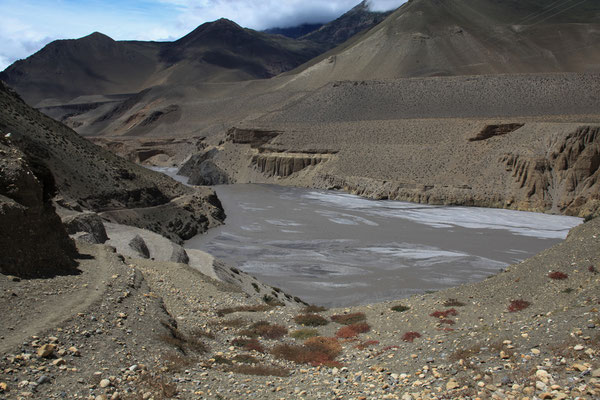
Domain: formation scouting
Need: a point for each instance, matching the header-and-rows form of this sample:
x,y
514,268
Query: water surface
x,y
337,249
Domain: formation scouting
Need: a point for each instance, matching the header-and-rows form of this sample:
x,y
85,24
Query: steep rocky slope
x,y
90,177
33,241
358,19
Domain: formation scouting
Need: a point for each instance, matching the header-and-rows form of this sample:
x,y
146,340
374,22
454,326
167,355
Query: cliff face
x,y
565,179
33,241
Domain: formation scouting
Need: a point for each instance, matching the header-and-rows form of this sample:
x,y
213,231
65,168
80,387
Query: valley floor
x,y
140,329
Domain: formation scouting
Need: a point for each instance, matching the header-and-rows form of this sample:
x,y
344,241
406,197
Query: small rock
x,y
104,383
596,373
579,367
43,379
3,387
578,347
46,350
452,384
59,361
546,395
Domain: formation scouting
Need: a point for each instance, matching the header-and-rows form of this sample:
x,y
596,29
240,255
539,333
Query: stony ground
x,y
138,329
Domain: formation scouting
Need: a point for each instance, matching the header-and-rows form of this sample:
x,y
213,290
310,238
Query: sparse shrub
x,y
518,305
248,344
254,308
400,308
315,351
568,290
444,314
231,323
349,319
453,303
235,270
272,301
255,286
202,333
557,275
176,362
310,320
312,309
353,330
410,336
266,330
260,370
465,354
245,359
447,321
160,387
221,360
366,344
182,342
303,334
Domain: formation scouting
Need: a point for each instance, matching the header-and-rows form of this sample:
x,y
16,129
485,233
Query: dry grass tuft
x,y
410,336
312,309
366,344
260,370
444,314
248,344
400,308
246,359
518,305
353,330
315,351
453,303
465,354
303,334
349,319
310,320
255,308
266,330
557,275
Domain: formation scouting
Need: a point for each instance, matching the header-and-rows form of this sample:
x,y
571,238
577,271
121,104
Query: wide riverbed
x,y
337,249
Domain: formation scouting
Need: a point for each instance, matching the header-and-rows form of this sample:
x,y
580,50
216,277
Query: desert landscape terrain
x,y
465,103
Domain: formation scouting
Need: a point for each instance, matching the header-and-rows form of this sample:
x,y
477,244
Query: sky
x,y
28,25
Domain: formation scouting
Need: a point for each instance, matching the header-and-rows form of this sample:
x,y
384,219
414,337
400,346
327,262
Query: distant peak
x,y
97,36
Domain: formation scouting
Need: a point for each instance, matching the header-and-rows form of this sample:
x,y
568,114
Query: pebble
x,y
104,383
46,350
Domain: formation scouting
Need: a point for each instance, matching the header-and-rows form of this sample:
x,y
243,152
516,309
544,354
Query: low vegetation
x,y
349,319
303,334
365,344
400,308
410,336
310,320
253,308
315,351
265,330
248,344
557,275
353,330
259,370
444,314
312,309
518,305
453,303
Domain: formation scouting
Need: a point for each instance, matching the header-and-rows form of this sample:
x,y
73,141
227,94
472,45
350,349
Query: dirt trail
x,y
47,303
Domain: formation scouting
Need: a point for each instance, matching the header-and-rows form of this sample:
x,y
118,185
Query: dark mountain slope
x,y
97,66
356,20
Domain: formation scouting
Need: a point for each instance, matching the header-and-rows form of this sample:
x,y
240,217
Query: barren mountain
x,y
466,37
98,67
356,20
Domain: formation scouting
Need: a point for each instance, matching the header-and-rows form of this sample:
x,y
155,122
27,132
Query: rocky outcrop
x,y
254,137
286,164
33,241
202,171
88,223
139,245
565,179
495,130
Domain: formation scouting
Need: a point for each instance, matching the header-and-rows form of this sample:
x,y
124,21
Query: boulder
x,y
86,223
139,245
208,174
179,255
